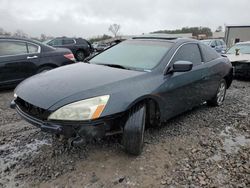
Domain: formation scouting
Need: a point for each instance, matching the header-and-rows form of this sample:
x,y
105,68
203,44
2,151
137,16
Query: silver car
x,y
217,44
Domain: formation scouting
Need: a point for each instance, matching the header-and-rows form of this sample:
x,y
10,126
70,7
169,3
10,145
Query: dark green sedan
x,y
142,81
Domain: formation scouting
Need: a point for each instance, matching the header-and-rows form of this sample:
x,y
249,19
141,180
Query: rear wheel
x,y
219,98
44,69
133,133
80,56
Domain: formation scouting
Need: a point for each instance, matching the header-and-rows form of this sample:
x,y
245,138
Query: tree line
x,y
115,29
194,30
21,34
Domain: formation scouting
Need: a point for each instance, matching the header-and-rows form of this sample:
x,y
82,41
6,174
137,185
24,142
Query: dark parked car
x,y
81,48
217,44
141,81
21,58
239,55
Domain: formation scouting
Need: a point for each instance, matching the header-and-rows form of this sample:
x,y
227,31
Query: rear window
x,y
68,41
222,42
208,53
135,54
12,48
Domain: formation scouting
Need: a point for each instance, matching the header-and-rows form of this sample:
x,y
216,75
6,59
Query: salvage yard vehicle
x,y
101,47
81,48
22,58
239,55
217,44
140,82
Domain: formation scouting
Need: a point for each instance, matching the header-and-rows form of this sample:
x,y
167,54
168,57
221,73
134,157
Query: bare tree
x,y
43,37
114,29
20,33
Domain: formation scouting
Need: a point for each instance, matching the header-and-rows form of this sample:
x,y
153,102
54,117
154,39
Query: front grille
x,y
32,110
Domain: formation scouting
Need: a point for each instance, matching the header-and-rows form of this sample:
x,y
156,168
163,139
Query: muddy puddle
x,y
232,142
12,154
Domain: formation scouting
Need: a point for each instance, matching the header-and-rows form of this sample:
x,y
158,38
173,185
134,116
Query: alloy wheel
x,y
221,93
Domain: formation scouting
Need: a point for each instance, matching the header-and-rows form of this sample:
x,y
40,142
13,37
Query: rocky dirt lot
x,y
207,147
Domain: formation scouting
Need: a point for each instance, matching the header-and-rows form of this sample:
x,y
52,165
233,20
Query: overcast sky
x,y
88,18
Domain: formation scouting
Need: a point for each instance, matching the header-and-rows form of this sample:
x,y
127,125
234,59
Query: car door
x,y
16,63
182,90
211,75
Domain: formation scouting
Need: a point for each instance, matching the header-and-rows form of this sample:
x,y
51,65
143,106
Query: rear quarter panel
x,y
55,58
216,71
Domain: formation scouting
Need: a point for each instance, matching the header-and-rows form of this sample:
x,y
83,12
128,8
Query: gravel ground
x,y
207,147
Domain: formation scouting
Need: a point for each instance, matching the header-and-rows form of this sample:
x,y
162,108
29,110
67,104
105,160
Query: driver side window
x,y
188,52
10,48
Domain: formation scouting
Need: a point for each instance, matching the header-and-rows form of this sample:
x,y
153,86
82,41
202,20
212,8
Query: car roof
x,y
211,40
164,37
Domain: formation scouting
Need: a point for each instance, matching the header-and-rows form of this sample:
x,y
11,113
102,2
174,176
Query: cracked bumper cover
x,y
89,129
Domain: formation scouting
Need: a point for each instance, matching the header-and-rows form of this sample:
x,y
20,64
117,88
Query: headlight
x,y
81,110
15,95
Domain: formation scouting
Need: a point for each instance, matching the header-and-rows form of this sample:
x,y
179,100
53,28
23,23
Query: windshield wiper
x,y
116,66
123,67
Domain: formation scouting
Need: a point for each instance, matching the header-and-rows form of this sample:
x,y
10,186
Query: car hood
x,y
240,57
46,89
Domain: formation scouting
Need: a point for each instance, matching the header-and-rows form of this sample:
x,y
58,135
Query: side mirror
x,y
182,66
212,46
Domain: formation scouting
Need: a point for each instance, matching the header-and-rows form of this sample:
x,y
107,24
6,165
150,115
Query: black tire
x,y
219,98
80,56
44,69
133,133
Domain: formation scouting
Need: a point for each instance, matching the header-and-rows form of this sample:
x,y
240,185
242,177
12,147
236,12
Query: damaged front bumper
x,y
88,129
241,69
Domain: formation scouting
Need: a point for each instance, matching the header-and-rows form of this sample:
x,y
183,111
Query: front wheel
x,y
133,133
219,98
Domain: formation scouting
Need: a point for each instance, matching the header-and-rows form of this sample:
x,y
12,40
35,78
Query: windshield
x,y
207,42
134,54
244,49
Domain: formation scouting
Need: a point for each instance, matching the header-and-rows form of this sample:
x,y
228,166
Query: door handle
x,y
32,57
